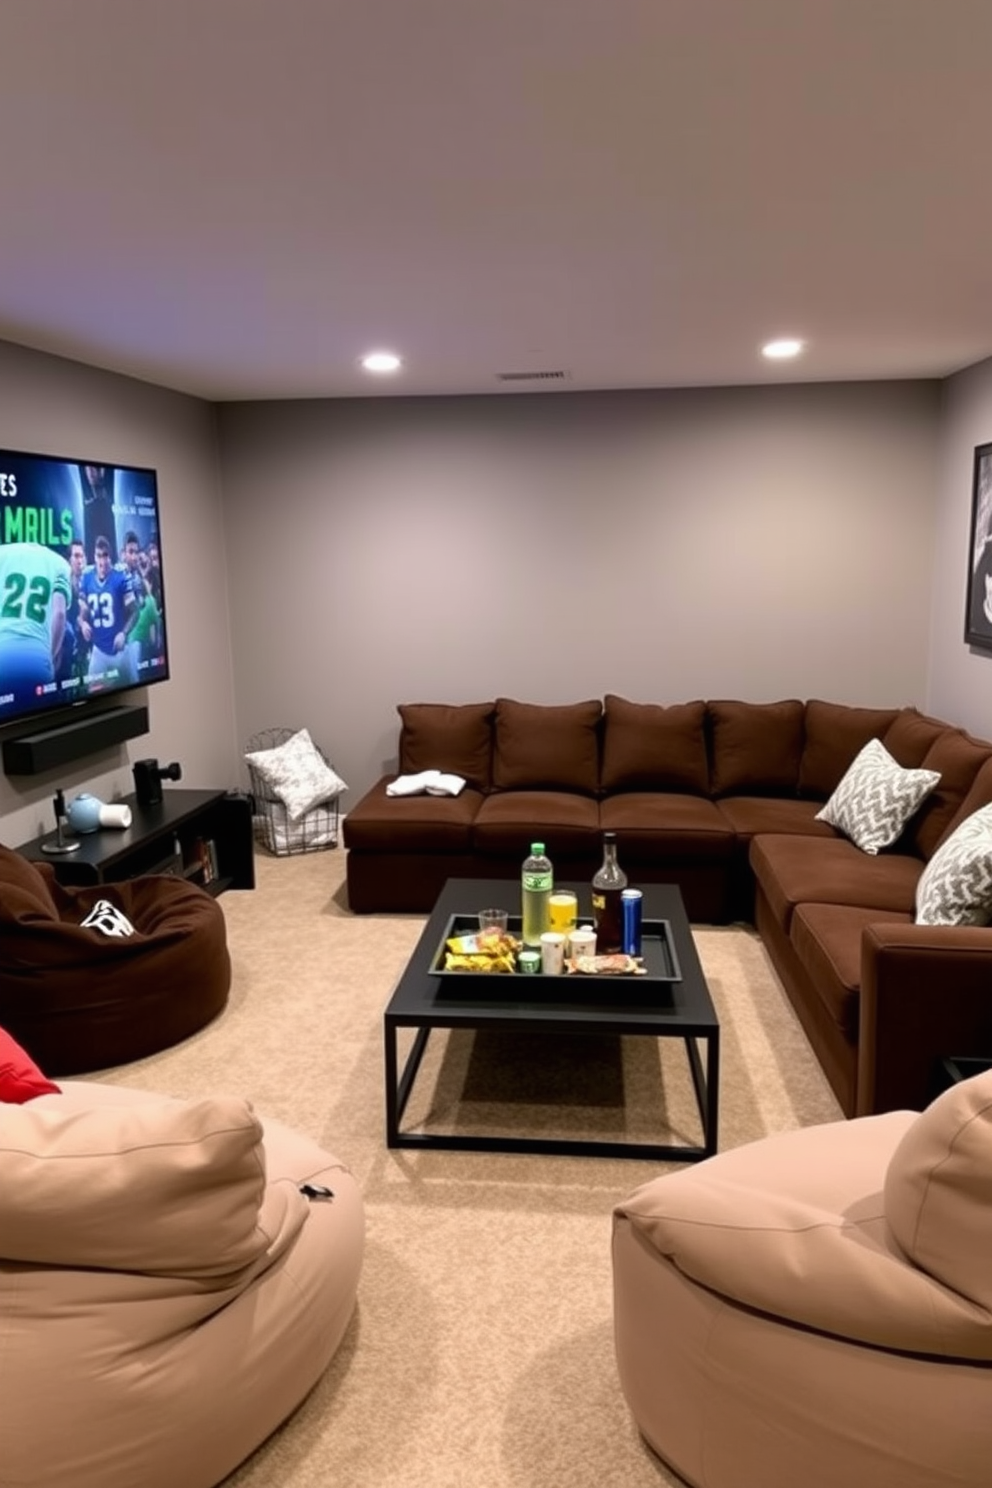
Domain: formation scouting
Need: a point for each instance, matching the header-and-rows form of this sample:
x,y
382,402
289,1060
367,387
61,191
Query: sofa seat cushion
x,y
381,823
508,821
827,940
749,815
650,747
793,870
670,828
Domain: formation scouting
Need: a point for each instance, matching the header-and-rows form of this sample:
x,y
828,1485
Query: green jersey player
x,y
35,588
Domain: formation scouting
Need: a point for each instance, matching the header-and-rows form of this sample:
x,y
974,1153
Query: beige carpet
x,y
481,1349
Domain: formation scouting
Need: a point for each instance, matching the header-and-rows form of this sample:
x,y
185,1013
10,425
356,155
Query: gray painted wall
x,y
960,683
59,407
755,543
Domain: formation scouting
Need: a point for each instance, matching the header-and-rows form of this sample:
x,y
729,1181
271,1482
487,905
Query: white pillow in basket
x,y
876,798
297,774
956,885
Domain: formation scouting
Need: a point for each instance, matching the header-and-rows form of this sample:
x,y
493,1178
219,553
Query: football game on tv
x,y
82,611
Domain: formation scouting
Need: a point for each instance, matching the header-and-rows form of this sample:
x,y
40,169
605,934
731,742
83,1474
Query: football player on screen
x,y
35,588
108,613
129,564
75,660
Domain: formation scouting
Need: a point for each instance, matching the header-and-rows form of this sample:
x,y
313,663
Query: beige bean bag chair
x,y
816,1309
168,1295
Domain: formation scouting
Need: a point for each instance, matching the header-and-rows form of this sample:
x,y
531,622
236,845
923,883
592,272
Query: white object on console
x,y
117,814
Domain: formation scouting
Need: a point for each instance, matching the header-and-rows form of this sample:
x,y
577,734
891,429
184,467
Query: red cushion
x,y
20,1078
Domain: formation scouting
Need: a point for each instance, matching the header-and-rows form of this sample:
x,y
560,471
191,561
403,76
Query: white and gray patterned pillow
x,y
876,798
956,885
297,773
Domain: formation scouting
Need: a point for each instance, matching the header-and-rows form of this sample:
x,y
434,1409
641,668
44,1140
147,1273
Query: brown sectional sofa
x,y
721,798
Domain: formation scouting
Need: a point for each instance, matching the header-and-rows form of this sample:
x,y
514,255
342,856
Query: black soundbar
x,y
53,747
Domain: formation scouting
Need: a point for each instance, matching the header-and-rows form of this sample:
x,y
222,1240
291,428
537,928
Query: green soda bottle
x,y
536,882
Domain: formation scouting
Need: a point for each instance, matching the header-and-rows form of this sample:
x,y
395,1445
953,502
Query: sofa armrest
x,y
926,993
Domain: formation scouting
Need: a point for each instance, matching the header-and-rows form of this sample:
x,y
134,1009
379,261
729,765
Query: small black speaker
x,y
147,782
51,748
148,776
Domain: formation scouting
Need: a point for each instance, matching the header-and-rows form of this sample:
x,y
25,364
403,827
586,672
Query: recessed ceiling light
x,y
381,361
781,350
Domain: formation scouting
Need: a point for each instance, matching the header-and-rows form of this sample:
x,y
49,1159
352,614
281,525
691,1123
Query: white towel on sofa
x,y
428,782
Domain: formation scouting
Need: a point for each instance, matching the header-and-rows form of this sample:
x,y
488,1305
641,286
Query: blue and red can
x,y
630,908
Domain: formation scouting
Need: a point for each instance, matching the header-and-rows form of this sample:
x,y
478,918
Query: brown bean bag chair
x,y
82,992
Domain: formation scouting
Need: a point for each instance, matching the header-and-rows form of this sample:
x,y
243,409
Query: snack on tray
x,y
490,950
612,965
477,962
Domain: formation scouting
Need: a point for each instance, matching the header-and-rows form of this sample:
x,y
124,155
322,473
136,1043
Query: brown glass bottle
x,y
608,883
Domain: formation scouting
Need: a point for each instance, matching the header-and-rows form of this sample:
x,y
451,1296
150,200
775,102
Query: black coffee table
x,y
424,1001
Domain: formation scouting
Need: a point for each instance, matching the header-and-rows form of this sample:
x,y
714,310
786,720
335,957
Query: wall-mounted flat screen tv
x,y
82,609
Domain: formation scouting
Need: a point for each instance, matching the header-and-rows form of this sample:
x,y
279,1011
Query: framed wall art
x,y
978,614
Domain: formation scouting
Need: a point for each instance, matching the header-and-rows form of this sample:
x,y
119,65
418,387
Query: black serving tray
x,y
658,956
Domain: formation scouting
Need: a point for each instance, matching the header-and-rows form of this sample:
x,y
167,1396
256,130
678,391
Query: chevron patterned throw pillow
x,y
876,798
956,886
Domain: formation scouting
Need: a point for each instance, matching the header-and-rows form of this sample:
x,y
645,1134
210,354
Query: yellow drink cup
x,y
563,912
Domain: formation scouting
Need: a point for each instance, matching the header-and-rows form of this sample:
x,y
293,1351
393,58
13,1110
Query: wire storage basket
x,y
315,831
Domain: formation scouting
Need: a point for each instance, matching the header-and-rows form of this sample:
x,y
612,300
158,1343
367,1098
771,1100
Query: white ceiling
x,y
238,197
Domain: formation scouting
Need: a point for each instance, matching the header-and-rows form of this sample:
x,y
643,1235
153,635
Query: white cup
x,y
552,953
581,942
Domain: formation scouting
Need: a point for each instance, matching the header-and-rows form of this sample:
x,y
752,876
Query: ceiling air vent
x,y
556,376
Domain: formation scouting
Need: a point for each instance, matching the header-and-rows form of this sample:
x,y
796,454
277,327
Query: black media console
x,y
202,835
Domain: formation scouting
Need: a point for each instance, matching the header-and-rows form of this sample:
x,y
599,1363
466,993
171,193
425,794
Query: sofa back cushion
x,y
755,748
834,734
979,795
650,747
453,737
910,735
543,746
957,758
166,1187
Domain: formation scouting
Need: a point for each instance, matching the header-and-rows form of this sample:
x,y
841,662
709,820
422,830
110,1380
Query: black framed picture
x,y
978,616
